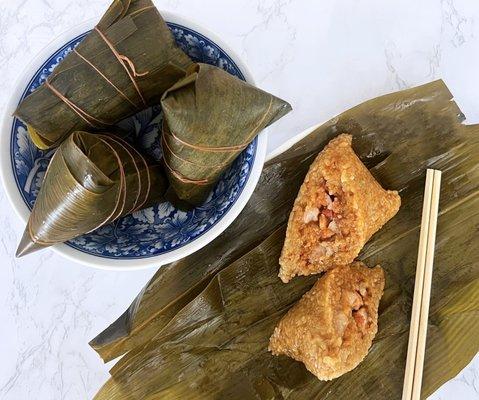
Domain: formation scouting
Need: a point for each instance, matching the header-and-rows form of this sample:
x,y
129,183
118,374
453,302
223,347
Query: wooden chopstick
x,y
418,286
422,288
426,296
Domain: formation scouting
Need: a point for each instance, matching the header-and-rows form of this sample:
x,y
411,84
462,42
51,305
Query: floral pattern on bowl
x,y
155,230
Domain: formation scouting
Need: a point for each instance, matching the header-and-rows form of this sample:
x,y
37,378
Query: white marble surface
x,y
322,56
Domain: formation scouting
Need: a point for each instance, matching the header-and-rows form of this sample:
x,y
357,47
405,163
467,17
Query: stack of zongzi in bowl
x,y
127,63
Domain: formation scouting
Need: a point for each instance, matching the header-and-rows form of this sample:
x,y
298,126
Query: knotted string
x,y
124,59
127,65
106,78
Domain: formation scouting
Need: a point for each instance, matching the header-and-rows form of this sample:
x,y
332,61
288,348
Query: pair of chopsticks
x,y
422,288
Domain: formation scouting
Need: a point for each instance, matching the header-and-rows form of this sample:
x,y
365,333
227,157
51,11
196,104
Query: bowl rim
x,y
98,262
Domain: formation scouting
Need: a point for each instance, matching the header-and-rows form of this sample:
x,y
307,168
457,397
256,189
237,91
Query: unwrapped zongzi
x,y
123,66
339,207
210,117
92,180
332,327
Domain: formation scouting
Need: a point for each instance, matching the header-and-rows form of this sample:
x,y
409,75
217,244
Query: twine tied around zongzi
x,y
79,111
183,178
226,149
170,150
130,69
127,64
120,92
148,177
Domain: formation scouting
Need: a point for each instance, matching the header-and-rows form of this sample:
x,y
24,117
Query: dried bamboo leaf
x,y
226,305
91,180
211,352
209,369
123,66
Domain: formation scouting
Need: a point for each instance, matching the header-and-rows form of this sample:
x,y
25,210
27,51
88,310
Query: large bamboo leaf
x,y
186,340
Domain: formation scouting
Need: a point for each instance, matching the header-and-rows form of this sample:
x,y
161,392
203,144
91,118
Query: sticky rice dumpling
x,y
210,117
338,208
120,68
92,180
332,326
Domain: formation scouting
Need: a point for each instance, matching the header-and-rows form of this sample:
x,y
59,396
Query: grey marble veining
x,y
322,56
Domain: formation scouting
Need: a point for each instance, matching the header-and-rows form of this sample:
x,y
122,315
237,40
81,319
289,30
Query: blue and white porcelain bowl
x,y
157,235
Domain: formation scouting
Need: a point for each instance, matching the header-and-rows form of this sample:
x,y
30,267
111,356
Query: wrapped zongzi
x,y
123,66
210,117
339,207
92,180
332,327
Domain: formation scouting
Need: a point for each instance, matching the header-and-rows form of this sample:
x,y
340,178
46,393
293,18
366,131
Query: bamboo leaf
x,y
193,333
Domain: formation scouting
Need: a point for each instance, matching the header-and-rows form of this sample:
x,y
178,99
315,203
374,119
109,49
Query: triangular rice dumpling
x,y
339,207
211,116
123,66
332,327
92,180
